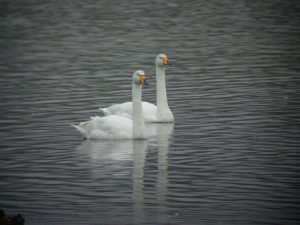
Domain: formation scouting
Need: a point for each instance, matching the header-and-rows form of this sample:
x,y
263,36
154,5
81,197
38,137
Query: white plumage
x,y
125,110
107,127
116,126
151,112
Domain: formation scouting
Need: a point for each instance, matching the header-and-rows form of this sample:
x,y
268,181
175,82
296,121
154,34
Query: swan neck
x,y
164,113
161,92
137,113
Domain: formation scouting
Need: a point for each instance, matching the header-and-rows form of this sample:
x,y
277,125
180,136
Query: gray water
x,y
233,153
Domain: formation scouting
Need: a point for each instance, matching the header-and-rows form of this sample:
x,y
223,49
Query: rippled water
x,y
232,156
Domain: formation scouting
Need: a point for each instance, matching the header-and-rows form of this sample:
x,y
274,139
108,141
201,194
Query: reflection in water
x,y
233,89
121,153
164,131
139,152
117,155
160,135
108,150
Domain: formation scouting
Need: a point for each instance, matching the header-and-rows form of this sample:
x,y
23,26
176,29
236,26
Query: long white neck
x,y
163,111
138,131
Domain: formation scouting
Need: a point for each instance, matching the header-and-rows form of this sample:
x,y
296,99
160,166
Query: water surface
x,y
232,155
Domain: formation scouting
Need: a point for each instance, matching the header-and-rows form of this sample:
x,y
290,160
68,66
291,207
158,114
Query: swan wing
x,y
125,110
107,127
149,112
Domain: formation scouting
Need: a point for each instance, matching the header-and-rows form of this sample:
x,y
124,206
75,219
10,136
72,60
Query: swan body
x,y
151,112
125,110
107,127
116,126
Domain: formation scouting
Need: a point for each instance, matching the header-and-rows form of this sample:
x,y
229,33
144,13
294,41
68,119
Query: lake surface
x,y
231,157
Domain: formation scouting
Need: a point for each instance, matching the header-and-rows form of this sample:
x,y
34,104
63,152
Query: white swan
x,y
151,112
118,127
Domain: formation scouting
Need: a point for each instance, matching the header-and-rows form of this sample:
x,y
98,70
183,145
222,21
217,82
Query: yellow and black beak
x,y
165,60
142,79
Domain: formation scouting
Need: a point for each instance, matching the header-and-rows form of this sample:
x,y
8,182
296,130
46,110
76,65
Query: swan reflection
x,y
163,135
159,141
118,154
114,150
139,154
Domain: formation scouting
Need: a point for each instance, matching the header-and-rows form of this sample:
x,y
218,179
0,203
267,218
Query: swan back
x,y
107,127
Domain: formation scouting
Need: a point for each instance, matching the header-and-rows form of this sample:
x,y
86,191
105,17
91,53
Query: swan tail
x,y
81,130
105,111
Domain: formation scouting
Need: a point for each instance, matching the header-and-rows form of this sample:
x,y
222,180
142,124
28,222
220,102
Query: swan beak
x,y
165,60
142,79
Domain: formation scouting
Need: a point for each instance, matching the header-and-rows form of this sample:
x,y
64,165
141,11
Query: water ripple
x,y
232,155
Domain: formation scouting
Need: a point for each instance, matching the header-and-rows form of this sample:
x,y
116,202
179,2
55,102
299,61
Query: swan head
x,y
139,77
162,60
